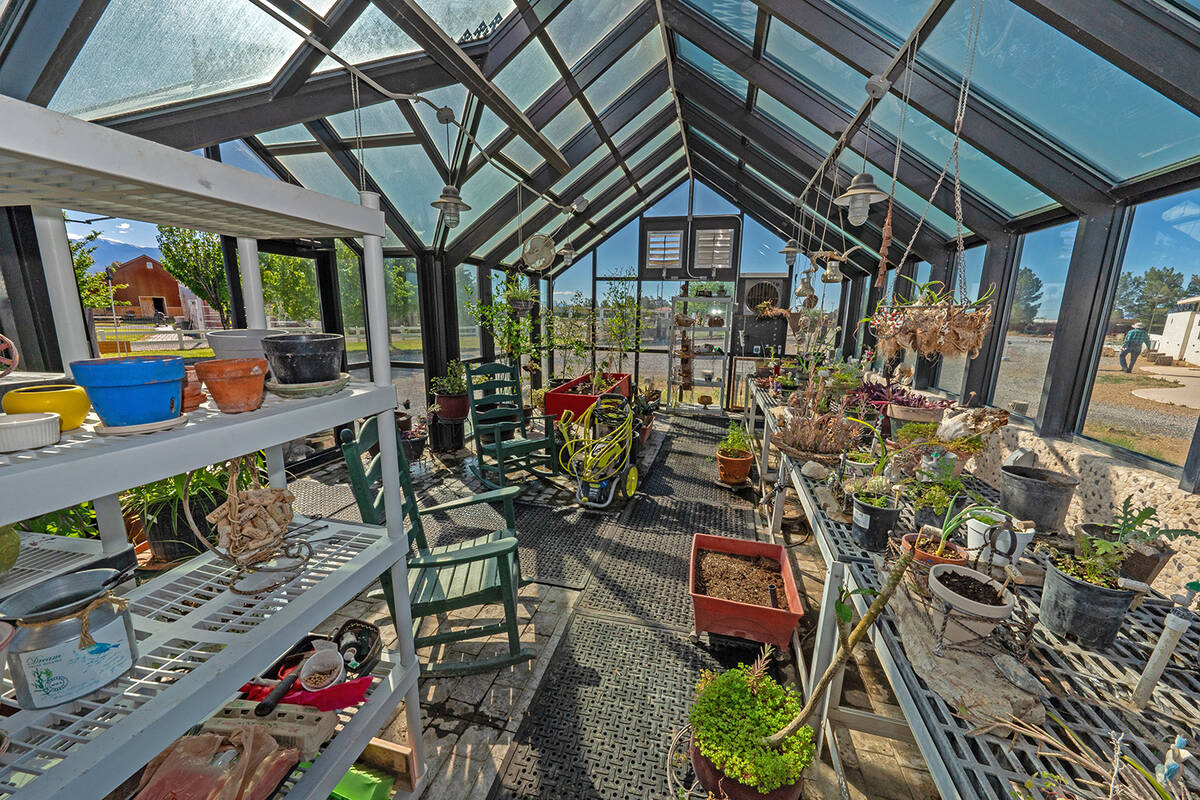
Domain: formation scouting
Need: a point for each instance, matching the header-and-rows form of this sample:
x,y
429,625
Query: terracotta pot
x,y
451,407
958,557
721,785
910,414
734,469
193,395
745,620
236,384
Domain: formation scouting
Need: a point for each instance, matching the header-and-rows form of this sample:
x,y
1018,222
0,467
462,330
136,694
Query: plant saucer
x,y
149,427
318,389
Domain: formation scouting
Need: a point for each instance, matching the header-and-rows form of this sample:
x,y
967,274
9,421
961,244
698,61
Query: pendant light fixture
x,y
451,204
568,254
790,251
833,272
858,198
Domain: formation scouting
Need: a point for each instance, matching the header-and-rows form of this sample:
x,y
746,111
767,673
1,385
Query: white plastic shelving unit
x,y
198,642
718,361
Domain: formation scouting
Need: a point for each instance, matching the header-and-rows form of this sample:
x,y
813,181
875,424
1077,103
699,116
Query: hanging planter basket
x,y
943,329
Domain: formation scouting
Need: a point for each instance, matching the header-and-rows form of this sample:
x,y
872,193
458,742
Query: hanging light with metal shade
x,y
859,197
833,272
451,204
568,254
805,288
790,250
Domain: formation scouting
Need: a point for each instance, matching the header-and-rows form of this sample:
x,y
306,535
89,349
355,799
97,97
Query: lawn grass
x,y
1135,381
1163,448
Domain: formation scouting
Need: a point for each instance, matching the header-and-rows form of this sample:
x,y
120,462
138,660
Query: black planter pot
x,y
873,525
1037,494
1090,614
304,357
488,438
927,516
170,538
414,447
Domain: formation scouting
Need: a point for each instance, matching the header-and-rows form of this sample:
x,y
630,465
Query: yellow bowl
x,y
69,402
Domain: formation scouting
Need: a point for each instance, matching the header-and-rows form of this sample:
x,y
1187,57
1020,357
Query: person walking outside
x,y
1135,340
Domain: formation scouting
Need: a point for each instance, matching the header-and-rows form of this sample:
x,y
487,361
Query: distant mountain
x,y
109,250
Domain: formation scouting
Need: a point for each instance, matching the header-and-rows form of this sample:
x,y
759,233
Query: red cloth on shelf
x,y
341,695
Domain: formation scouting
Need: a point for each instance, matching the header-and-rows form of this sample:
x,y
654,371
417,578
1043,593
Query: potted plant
x,y
1082,596
450,393
645,403
414,440
735,455
520,298
930,500
875,512
1011,537
931,546
744,567
934,322
1037,494
1146,548
980,602
858,463
579,394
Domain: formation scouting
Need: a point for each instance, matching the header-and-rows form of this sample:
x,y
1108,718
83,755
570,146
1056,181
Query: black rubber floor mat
x,y
602,721
685,476
644,573
557,546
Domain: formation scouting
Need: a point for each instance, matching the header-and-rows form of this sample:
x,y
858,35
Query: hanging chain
x,y
358,136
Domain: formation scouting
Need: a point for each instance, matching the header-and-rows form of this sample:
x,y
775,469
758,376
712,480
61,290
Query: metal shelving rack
x,y
198,641
720,361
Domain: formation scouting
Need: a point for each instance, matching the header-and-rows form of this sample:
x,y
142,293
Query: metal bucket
x,y
48,661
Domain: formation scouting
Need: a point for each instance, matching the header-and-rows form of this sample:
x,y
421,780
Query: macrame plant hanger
x,y
886,244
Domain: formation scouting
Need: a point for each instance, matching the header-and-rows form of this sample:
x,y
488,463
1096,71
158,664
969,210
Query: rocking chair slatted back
x,y
364,479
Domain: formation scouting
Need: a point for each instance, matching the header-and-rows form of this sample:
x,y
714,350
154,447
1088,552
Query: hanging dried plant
x,y
932,324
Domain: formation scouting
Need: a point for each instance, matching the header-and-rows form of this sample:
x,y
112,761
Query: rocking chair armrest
x,y
480,552
494,496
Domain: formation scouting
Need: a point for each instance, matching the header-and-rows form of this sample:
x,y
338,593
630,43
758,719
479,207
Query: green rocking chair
x,y
496,411
477,572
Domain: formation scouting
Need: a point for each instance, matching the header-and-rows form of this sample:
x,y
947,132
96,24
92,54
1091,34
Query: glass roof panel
x,y
566,124
373,35
710,66
1066,91
454,96
896,18
490,126
408,178
519,151
142,55
719,148
527,75
615,174
511,228
736,16
484,188
800,127
614,205
628,129
237,154
674,204
577,172
583,23
379,119
671,131
915,204
317,171
320,6
666,162
289,135
615,80
816,66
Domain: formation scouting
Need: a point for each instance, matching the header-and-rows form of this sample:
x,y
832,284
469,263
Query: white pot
x,y
855,469
29,431
977,541
962,629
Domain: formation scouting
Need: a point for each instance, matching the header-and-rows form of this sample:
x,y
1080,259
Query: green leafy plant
x,y
734,713
512,332
1140,525
513,290
935,496
570,335
453,383
1096,560
621,318
736,441
160,503
951,524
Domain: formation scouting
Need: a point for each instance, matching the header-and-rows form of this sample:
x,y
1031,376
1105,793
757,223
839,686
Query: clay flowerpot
x,y
718,784
193,395
451,407
69,402
236,384
952,554
734,468
979,619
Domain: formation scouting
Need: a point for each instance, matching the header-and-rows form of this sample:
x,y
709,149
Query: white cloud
x,y
74,235
124,226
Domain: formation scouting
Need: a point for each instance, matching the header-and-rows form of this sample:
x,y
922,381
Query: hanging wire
x,y
358,136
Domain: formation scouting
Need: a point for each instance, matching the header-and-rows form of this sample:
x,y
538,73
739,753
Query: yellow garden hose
x,y
592,458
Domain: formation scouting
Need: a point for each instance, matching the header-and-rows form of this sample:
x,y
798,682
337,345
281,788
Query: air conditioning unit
x,y
753,336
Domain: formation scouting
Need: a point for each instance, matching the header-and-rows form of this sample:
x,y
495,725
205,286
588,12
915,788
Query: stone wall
x,y
1105,482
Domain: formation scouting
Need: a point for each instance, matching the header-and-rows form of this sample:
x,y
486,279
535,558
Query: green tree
x,y
1129,289
621,318
1027,299
350,286
1162,288
289,287
194,259
1193,287
94,288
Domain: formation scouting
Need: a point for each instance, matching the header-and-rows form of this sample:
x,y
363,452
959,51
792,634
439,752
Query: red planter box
x,y
745,620
560,398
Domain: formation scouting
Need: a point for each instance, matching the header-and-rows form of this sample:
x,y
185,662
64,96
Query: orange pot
x,y
734,469
236,384
957,555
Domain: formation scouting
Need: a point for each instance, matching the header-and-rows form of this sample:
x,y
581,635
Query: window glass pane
x,y
583,23
603,184
793,122
484,188
710,66
237,154
466,280
318,172
617,202
520,152
950,375
572,304
672,162
674,204
288,135
528,75
1152,409
490,126
411,182
1073,95
668,133
566,124
454,96
1045,256
143,55
618,254
706,201
760,249
350,297
938,219
736,16
626,71
404,314
816,66
896,17
378,119
290,291
644,116
692,132
578,171
410,386
513,227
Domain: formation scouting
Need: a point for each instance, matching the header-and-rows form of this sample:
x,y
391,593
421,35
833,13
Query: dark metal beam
x,y
1082,319
41,44
1158,47
193,124
347,162
297,69
381,140
409,15
1030,155
829,115
229,261
999,269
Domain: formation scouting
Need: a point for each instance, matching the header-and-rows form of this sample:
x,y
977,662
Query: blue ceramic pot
x,y
134,390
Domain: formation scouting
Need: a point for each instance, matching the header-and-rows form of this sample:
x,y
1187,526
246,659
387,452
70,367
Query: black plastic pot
x,y
304,357
413,446
1037,494
872,525
170,538
927,516
1088,613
